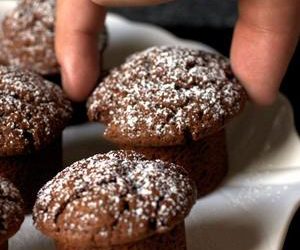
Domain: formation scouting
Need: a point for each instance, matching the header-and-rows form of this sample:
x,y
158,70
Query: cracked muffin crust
x,y
33,112
11,210
164,95
205,160
28,37
113,199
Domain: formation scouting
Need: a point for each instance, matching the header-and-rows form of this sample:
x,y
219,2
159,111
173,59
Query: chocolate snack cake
x,y
116,201
171,98
11,211
28,37
205,160
33,114
27,41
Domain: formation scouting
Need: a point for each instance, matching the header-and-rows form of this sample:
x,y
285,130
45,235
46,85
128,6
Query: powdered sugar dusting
x,y
11,208
28,36
33,111
116,197
167,93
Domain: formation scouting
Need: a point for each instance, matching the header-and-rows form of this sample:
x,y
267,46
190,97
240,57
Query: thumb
x,y
265,37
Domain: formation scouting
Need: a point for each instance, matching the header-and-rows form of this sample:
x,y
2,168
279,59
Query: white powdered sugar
x,y
33,111
11,208
118,196
165,94
28,37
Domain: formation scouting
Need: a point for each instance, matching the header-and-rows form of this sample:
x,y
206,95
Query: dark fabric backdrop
x,y
216,13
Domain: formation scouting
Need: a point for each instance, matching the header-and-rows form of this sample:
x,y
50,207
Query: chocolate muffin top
x,y
11,210
33,111
164,95
28,36
112,199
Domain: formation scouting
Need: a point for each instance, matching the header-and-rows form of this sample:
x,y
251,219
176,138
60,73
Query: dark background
x,y
211,22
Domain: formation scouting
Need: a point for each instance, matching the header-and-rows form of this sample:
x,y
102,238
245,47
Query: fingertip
x,y
80,66
79,58
79,83
264,40
259,60
76,45
263,98
261,91
71,89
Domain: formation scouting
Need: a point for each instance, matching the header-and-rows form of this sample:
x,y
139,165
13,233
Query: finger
x,y
115,3
78,24
265,37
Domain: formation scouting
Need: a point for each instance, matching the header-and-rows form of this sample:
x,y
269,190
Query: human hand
x,y
265,37
78,24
